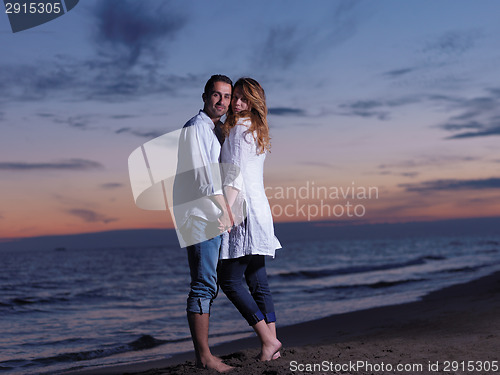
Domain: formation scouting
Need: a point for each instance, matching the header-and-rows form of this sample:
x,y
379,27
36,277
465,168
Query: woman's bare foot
x,y
214,363
269,350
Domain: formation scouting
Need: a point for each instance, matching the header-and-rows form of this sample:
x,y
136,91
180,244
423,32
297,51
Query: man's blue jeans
x,y
202,258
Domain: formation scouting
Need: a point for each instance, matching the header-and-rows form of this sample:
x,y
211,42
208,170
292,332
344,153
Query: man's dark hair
x,y
216,78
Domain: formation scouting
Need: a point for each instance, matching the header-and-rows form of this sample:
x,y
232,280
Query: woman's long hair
x,y
256,98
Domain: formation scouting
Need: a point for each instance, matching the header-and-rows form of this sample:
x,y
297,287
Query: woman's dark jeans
x,y
253,306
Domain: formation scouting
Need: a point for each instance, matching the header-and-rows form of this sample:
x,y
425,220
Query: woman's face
x,y
239,102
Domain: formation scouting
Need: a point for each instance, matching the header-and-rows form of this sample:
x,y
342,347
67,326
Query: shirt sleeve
x,y
195,158
240,143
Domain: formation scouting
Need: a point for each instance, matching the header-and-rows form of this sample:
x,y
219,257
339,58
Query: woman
x,y
244,249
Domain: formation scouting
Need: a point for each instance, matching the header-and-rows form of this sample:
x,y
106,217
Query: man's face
x,y
217,101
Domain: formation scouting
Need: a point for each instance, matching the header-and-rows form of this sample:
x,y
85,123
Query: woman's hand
x,y
226,221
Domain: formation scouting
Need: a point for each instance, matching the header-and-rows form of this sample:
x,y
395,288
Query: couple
x,y
228,198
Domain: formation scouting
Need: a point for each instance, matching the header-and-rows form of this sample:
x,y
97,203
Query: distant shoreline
x,y
286,232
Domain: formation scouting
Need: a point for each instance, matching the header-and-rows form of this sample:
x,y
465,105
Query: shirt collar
x,y
207,119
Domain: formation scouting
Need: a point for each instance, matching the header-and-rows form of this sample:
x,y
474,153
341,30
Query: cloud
x,y
70,164
407,168
281,47
80,122
122,117
130,40
452,185
286,45
495,130
141,133
286,111
128,30
364,108
479,116
86,81
428,161
402,174
454,42
25,82
111,185
435,60
380,109
316,164
399,72
45,115
90,216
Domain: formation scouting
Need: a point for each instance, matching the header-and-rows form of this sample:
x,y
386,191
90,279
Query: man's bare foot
x,y
268,351
214,363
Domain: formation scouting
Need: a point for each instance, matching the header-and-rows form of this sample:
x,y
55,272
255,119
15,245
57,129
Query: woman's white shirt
x,y
254,233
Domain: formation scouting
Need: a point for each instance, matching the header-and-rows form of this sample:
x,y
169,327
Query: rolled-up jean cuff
x,y
199,305
270,317
255,318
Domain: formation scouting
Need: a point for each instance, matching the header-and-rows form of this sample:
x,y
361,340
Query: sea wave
x,y
326,272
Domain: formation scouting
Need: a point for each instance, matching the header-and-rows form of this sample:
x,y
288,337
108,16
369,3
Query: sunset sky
x,y
401,96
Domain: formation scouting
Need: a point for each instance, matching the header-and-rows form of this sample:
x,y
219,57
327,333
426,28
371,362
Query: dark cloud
x,y
365,104
90,216
392,173
141,133
479,116
71,164
428,161
127,30
399,72
281,47
80,122
111,185
286,111
27,82
380,109
488,131
45,115
130,37
96,81
365,108
122,117
286,45
455,42
451,185
344,21
118,87
434,59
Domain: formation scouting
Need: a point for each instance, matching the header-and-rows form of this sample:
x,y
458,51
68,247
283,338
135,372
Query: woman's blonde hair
x,y
256,98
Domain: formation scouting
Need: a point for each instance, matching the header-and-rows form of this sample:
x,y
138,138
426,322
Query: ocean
x,y
67,309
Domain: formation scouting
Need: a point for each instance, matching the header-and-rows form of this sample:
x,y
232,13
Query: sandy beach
x,y
451,331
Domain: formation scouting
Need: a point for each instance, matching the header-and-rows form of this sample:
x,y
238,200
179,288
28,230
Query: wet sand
x,y
455,330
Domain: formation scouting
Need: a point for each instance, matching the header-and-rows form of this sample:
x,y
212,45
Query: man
x,y
200,211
